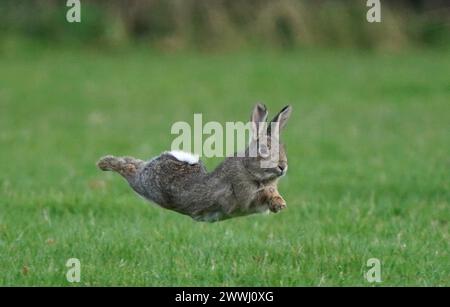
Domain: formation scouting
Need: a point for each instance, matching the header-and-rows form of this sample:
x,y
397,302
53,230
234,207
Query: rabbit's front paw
x,y
276,204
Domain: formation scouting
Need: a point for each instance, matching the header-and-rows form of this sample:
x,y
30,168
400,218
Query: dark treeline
x,y
226,25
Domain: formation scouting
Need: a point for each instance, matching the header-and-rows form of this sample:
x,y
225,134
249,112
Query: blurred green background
x,y
368,142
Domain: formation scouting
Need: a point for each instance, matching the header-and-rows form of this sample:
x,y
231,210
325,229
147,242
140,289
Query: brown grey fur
x,y
237,187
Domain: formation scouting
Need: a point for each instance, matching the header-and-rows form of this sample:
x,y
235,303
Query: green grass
x,y
368,147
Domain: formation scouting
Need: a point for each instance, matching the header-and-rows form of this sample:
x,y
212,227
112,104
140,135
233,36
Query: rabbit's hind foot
x,y
126,166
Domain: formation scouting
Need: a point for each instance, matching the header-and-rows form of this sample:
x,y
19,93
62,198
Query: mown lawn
x,y
368,146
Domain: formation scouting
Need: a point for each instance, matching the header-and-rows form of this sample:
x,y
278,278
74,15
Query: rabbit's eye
x,y
263,150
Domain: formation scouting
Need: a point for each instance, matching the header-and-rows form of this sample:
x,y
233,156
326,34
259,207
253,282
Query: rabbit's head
x,y
266,156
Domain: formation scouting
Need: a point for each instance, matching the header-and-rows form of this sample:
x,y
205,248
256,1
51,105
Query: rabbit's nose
x,y
282,167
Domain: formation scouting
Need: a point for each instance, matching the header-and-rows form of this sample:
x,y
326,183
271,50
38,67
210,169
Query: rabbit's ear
x,y
281,118
259,115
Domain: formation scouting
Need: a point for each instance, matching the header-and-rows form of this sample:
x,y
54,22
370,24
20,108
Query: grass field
x,y
368,147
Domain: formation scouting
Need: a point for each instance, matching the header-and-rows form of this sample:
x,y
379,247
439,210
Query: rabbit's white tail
x,y
184,156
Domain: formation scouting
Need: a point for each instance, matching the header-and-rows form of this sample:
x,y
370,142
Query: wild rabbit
x,y
239,186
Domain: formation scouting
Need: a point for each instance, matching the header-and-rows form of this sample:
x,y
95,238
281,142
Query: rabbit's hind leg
x,y
125,166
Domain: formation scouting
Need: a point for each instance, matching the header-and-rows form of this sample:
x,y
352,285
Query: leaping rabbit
x,y
239,186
